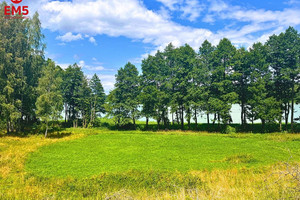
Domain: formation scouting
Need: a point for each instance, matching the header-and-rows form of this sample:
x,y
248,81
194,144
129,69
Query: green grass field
x,y
103,164
121,152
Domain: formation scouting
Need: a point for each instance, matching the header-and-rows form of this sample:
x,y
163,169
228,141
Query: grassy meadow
x,y
106,164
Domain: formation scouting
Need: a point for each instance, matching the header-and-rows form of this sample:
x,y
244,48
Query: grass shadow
x,y
59,135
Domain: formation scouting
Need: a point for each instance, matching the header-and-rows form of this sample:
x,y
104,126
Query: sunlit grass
x,y
255,182
121,152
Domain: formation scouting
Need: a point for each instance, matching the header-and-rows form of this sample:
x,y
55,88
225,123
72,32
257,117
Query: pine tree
x,y
123,100
97,98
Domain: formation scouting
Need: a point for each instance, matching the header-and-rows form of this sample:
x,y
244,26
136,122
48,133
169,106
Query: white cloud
x,y
220,9
170,3
68,37
81,63
92,40
108,86
258,24
208,18
286,17
90,68
127,18
190,9
107,81
293,2
63,65
218,6
130,18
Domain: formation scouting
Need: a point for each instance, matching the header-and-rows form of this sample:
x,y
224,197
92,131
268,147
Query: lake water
x,y
235,114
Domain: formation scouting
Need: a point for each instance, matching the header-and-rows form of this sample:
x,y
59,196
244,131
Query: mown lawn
x,y
103,164
121,152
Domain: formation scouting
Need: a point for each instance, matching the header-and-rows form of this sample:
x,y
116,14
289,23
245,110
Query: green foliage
x,y
97,99
123,100
229,130
49,104
21,63
73,80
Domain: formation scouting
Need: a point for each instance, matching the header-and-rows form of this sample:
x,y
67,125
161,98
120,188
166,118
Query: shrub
x,y
229,130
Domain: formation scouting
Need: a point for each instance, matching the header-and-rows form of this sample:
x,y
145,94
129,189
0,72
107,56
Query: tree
x,y
13,52
73,78
34,61
222,95
241,77
292,61
97,98
83,101
261,104
184,64
169,81
148,96
202,74
155,80
50,102
123,100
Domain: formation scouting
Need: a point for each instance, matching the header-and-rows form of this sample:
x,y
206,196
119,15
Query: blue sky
x,y
103,35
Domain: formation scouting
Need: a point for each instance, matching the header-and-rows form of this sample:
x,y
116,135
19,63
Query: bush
x,y
229,130
97,122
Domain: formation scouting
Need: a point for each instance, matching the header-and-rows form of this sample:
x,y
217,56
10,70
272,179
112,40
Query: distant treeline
x,y
264,80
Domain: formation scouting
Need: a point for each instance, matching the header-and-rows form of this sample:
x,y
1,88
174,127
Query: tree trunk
x,y
189,118
215,118
158,121
163,118
245,117
7,127
91,119
252,120
66,112
219,122
242,114
46,129
182,119
280,123
292,109
286,115
207,116
172,118
133,119
147,121
263,122
196,121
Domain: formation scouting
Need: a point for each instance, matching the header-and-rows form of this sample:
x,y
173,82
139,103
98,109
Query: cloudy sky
x,y
103,35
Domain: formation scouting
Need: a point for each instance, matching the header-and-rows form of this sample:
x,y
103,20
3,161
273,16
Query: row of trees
x,y
70,89
263,80
33,88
